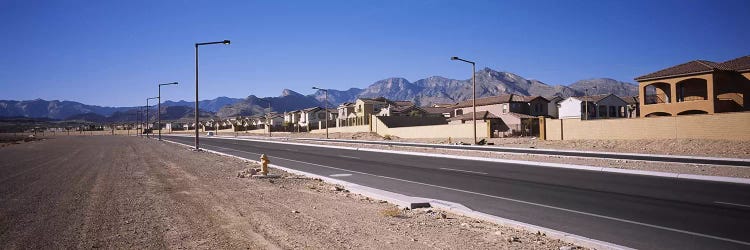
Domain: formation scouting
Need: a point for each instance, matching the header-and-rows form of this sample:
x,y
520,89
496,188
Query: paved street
x,y
636,211
589,154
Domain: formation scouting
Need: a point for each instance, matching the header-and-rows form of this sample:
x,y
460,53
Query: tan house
x,y
509,114
504,104
344,110
364,107
696,87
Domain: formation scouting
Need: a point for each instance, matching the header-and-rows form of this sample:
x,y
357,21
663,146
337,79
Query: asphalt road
x,y
605,155
636,211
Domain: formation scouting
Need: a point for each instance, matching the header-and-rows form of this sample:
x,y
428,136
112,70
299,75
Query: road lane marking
x,y
733,204
465,171
350,157
527,163
523,202
340,175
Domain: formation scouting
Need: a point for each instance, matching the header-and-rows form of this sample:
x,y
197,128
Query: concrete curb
x,y
456,208
677,176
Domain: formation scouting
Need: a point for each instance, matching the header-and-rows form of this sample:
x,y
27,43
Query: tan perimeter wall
x,y
722,126
433,131
349,129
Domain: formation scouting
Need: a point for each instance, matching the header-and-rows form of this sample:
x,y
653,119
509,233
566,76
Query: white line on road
x,y
350,157
465,171
340,175
733,204
525,202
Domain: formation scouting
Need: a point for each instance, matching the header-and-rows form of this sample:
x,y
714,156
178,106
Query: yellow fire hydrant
x,y
264,164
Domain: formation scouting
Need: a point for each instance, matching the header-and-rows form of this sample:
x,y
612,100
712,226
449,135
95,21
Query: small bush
x,y
392,212
387,137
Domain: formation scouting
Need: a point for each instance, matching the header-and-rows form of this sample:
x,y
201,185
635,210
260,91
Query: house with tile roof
x,y
696,87
344,111
508,113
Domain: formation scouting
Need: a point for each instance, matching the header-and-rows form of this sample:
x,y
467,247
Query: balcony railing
x,y
653,99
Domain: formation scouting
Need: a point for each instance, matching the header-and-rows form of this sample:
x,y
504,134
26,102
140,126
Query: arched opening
x,y
732,92
693,89
656,93
655,114
692,112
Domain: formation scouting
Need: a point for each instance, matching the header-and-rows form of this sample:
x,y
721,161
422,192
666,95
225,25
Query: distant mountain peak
x,y
288,92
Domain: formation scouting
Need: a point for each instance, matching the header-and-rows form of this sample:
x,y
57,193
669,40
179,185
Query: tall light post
x,y
473,94
147,107
326,107
197,148
586,98
158,109
586,103
138,121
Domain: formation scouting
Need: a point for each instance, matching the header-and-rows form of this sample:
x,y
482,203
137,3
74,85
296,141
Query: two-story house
x,y
696,87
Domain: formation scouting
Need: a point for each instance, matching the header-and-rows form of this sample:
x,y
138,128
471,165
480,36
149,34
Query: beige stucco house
x,y
696,87
508,114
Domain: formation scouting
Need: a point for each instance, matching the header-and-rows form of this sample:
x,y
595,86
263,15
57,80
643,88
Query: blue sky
x,y
113,53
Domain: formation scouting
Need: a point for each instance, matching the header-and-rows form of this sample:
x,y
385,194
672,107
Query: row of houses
x,y
696,87
235,123
508,112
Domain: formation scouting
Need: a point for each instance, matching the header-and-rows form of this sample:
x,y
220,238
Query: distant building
x,y
598,107
515,113
552,106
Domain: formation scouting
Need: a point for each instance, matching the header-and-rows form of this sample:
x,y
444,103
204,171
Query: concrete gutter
x,y
456,208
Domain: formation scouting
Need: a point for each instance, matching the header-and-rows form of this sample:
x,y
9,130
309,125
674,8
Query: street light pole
x,y
326,107
586,93
473,93
197,148
158,111
138,121
269,120
147,107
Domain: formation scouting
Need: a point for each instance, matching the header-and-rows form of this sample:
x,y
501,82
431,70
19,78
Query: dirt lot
x,y
127,192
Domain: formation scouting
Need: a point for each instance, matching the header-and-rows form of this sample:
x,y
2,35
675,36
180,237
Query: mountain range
x,y
431,90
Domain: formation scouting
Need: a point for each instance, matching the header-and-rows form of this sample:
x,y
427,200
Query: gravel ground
x,y
127,192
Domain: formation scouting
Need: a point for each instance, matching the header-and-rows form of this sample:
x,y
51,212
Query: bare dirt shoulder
x,y
126,192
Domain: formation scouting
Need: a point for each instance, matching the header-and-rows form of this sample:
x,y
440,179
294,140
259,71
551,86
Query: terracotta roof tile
x,y
437,110
739,64
592,98
519,115
692,67
506,98
481,115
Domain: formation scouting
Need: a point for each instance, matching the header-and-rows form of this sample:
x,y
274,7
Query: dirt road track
x,y
127,192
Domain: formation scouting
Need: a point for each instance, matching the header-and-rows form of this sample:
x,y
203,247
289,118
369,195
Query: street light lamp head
x,y
454,58
226,42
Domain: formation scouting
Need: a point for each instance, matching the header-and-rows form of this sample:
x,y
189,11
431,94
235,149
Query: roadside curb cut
x,y
676,176
418,202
